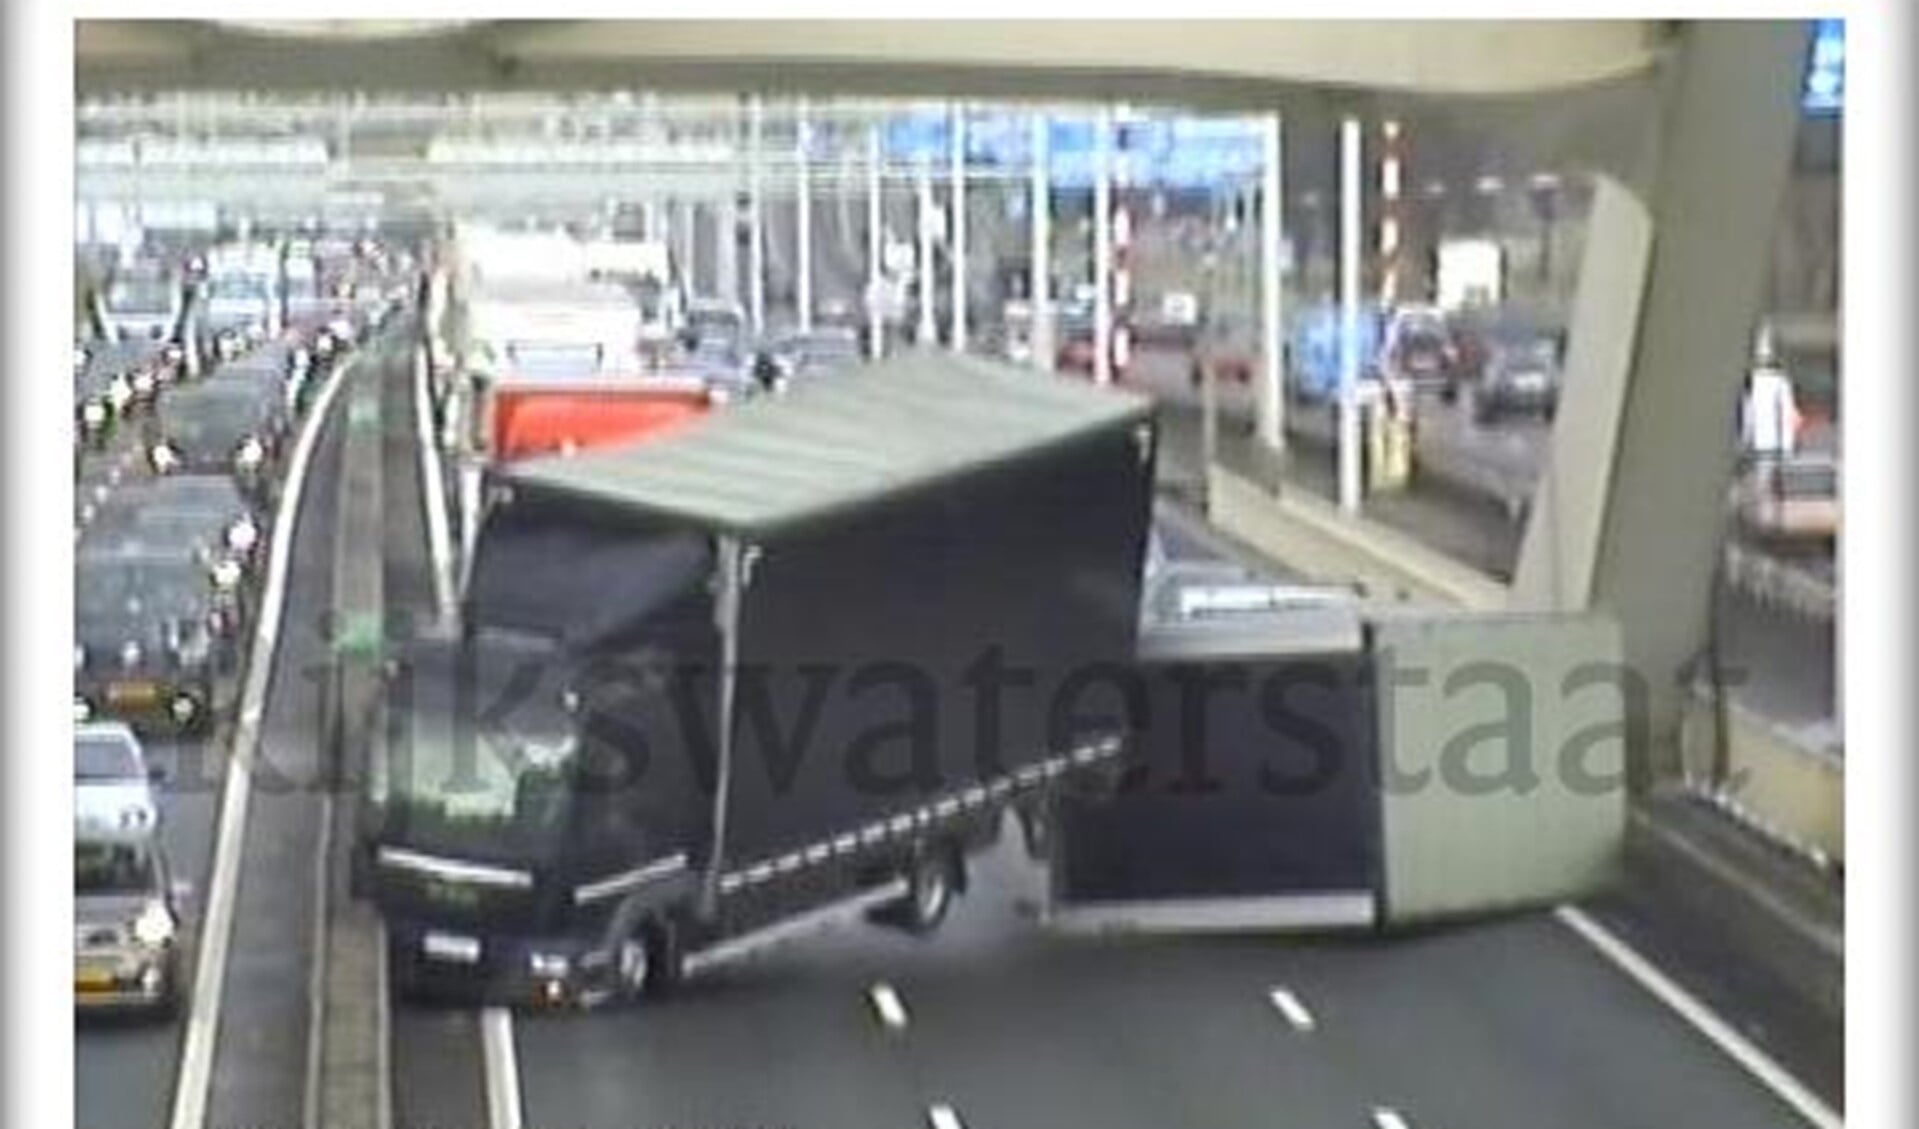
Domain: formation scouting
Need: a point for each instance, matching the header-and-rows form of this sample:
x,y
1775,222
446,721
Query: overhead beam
x,y
1215,63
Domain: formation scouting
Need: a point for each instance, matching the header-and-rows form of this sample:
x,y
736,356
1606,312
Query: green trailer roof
x,y
839,442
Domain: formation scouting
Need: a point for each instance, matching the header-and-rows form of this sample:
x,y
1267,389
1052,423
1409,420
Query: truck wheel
x,y
1036,829
931,885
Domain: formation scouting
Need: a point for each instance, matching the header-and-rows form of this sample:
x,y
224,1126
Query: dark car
x,y
221,427
126,925
205,513
818,352
151,628
1521,374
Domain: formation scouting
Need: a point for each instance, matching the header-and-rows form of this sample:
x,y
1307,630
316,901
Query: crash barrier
x,y
1782,783
1777,583
349,1077
1315,538
1328,766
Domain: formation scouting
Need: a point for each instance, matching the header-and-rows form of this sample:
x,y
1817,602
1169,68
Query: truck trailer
x,y
785,664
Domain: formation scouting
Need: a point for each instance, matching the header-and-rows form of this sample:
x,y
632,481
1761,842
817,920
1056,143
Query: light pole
x,y
1349,233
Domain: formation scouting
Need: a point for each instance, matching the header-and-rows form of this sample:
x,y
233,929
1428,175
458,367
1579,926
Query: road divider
x,y
1294,1011
502,1069
193,1080
888,1006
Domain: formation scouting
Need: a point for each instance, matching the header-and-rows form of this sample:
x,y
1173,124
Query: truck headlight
x,y
164,457
143,383
93,413
119,392
549,965
243,535
154,927
250,455
131,653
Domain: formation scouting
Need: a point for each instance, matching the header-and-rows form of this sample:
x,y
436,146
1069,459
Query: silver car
x,y
126,948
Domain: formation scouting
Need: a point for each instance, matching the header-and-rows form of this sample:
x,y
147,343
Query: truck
x,y
645,267
1468,272
791,664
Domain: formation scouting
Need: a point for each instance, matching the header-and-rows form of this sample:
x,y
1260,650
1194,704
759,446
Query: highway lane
x,y
1510,1023
137,1054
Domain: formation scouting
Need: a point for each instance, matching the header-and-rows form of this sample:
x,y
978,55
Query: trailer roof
x,y
834,444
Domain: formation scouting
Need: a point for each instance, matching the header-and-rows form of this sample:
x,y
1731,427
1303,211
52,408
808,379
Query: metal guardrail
x,y
1773,582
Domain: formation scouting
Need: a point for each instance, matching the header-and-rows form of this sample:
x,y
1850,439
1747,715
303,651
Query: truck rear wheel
x,y
932,881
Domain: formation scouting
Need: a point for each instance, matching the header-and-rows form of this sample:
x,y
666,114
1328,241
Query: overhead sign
x,y
1157,151
1825,89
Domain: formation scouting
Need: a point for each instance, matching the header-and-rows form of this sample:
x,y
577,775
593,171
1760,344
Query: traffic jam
x,y
182,423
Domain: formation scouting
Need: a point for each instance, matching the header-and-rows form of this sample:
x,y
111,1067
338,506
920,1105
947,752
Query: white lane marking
x,y
383,1025
1294,1011
943,1117
888,1006
1722,1034
502,1070
216,933
433,490
1384,1118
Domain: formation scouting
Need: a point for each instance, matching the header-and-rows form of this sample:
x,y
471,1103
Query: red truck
x,y
539,415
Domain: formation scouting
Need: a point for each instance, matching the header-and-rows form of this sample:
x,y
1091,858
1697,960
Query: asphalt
x,y
1510,1023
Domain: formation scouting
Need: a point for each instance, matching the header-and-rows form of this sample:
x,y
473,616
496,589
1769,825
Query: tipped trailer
x,y
791,663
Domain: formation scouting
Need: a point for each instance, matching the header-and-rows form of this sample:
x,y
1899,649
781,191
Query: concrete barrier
x,y
1326,545
1779,782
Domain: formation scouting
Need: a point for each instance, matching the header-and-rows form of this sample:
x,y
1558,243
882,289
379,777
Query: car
x,y
1794,499
126,952
713,318
152,626
1521,372
1418,347
817,352
112,781
206,513
228,426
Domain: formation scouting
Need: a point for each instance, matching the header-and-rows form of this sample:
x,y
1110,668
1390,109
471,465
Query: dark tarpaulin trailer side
x,y
898,534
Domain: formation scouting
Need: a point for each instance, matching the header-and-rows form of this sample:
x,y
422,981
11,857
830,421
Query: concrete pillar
x,y
1103,246
1349,233
1271,404
1726,149
727,252
803,224
1041,290
756,220
957,243
875,232
928,334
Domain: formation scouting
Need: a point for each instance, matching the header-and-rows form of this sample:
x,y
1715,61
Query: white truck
x,y
1469,272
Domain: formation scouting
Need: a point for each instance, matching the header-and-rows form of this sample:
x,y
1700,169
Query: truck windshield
x,y
479,796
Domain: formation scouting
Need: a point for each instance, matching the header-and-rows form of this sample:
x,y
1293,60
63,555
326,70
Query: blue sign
x,y
1158,152
1825,89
